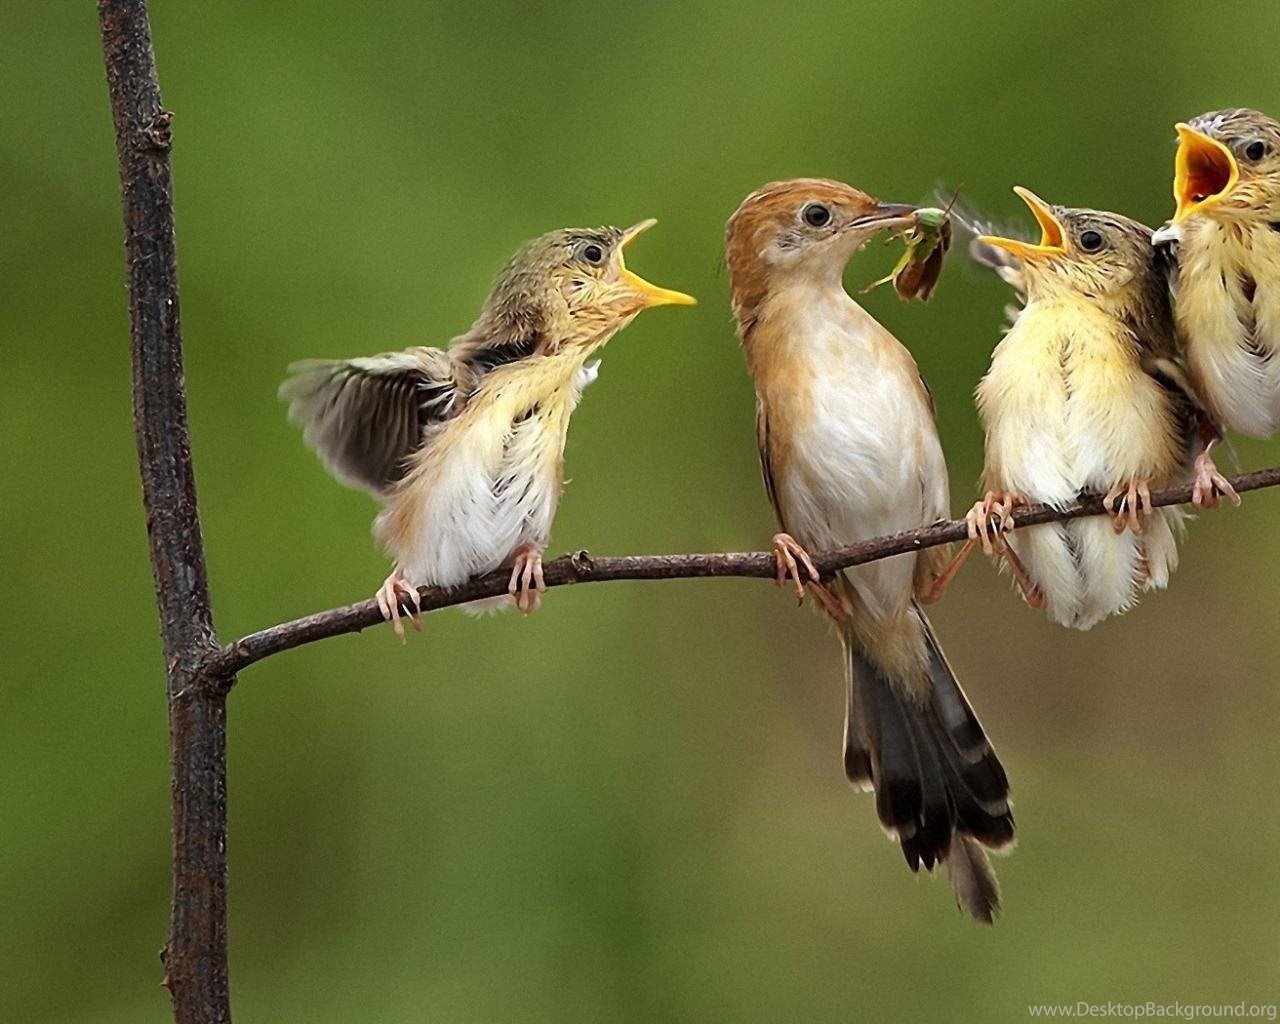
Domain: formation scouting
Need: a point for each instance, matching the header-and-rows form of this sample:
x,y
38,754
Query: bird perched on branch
x,y
1225,240
1084,393
464,447
849,451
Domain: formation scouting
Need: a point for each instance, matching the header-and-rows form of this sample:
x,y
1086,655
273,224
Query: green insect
x,y
916,273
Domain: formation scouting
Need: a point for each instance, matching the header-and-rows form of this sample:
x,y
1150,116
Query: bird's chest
x,y
1068,407
847,430
521,446
489,483
1229,310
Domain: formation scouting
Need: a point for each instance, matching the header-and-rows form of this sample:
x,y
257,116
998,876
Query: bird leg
x,y
527,584
1209,485
993,506
1030,590
1134,504
989,520
940,581
991,517
393,592
786,551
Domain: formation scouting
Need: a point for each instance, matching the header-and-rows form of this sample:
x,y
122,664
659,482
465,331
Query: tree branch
x,y
195,955
581,568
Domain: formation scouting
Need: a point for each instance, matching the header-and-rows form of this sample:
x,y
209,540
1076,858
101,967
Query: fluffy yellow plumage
x,y
1085,393
1226,244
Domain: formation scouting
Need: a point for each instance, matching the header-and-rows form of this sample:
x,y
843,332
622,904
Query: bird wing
x,y
364,417
1007,267
766,467
1152,327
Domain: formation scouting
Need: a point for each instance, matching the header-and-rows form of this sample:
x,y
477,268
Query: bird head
x,y
572,287
806,228
1228,166
1101,255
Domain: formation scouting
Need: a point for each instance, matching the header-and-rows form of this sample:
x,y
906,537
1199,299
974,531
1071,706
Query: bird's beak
x,y
1051,236
884,217
647,294
1204,172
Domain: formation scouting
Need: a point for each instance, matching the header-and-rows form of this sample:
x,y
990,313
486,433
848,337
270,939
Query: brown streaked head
x,y
1099,254
805,226
570,286
1227,164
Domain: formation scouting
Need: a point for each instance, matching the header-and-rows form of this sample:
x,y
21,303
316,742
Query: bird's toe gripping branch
x,y
1208,485
527,583
987,523
1131,503
790,555
396,598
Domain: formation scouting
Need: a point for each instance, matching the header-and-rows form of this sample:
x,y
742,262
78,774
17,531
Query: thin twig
x,y
581,568
195,955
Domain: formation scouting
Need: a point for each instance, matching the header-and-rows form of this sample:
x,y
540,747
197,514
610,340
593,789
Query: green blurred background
x,y
628,807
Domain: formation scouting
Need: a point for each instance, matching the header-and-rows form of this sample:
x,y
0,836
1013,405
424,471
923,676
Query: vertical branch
x,y
195,955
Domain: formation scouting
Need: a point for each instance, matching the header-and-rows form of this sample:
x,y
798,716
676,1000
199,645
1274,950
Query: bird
x,y
464,446
1085,392
1224,244
849,451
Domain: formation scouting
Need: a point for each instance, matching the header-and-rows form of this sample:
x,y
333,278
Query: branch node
x,y
159,131
582,564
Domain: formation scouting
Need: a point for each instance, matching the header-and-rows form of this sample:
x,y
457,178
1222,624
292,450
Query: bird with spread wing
x,y
464,446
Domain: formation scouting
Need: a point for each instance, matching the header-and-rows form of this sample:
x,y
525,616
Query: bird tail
x,y
940,788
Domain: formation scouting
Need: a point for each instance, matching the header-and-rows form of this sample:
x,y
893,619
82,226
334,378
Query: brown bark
x,y
195,955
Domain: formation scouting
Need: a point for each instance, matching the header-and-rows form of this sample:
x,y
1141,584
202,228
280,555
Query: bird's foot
x,y
395,594
1029,588
790,556
992,517
989,521
1131,503
1209,485
527,584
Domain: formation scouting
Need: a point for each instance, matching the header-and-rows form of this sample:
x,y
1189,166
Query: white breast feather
x,y
495,485
871,463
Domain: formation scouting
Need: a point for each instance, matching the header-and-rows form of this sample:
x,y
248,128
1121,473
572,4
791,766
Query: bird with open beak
x,y
1225,239
1085,393
464,447
849,451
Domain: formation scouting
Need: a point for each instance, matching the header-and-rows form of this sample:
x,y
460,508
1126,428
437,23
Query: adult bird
x,y
1084,393
464,446
850,451
1225,240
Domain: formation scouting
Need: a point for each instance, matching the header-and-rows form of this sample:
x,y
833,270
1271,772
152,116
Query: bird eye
x,y
816,215
592,253
1256,150
1091,241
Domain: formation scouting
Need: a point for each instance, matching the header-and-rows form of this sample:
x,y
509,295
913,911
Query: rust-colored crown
x,y
768,212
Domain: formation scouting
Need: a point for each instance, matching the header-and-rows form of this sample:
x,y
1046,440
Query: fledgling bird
x,y
849,451
1225,239
464,447
1085,393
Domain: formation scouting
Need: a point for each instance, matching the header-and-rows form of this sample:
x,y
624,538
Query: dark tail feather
x,y
940,788
972,879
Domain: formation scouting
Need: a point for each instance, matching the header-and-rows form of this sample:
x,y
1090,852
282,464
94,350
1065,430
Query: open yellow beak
x,y
1051,238
1204,172
649,294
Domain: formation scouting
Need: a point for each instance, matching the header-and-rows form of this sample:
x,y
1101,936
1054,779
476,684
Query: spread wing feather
x,y
364,417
